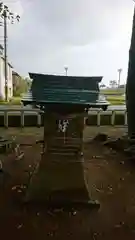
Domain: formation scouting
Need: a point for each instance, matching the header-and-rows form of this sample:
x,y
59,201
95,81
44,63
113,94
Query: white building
x,y
2,77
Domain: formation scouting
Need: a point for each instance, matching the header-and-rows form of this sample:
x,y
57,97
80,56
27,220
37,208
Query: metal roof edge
x,y
32,75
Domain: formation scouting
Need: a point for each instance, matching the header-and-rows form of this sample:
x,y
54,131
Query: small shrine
x,y
59,177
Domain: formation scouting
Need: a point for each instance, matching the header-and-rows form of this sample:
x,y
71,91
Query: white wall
x,y
2,80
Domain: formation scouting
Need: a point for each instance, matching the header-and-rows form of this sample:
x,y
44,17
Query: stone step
x,y
66,140
64,146
64,151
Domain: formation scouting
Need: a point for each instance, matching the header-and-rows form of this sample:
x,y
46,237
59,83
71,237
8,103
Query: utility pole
x,y
6,15
5,55
119,72
66,69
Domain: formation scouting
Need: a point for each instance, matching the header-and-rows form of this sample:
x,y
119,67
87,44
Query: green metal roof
x,y
54,89
63,82
62,96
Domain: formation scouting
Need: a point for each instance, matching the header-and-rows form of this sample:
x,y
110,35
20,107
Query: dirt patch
x,y
111,180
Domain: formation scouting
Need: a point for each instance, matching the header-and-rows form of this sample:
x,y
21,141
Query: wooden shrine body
x,y
60,173
63,134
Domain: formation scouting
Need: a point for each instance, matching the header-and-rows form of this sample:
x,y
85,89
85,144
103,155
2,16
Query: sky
x,y
91,38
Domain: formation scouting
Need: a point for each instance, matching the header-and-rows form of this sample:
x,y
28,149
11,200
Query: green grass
x,y
116,100
114,96
116,103
13,101
118,91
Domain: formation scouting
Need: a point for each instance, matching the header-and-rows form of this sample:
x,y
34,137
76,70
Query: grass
x,y
116,100
114,96
13,101
119,91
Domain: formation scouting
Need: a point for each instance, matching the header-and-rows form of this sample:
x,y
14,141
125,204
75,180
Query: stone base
x,y
71,199
59,182
64,200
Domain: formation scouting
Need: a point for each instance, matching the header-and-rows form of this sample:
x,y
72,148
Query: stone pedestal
x,y
59,177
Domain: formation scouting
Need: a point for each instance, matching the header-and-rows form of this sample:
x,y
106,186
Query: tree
x,y
113,83
130,86
102,85
20,85
122,86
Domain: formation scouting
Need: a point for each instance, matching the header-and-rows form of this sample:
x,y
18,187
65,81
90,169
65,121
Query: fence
x,y
32,117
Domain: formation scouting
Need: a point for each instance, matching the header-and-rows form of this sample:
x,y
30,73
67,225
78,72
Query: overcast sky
x,y
90,37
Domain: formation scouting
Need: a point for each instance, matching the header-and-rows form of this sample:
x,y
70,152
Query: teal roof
x,y
62,96
64,82
54,89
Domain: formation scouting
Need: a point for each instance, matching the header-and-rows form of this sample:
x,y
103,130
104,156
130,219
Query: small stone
x,y
60,210
19,191
122,162
74,213
122,179
117,226
19,226
50,234
99,157
110,188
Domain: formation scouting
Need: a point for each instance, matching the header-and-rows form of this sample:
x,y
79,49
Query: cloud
x,y
79,22
92,37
